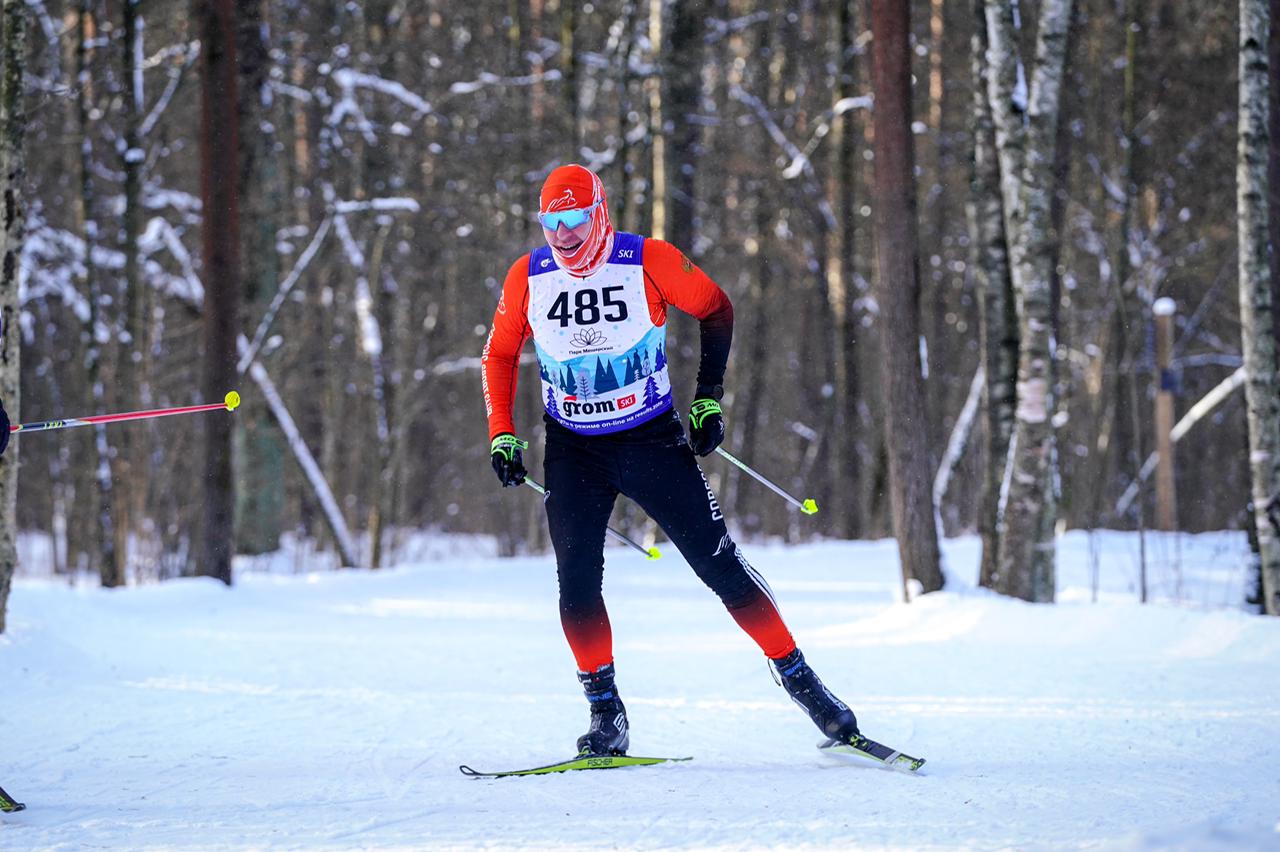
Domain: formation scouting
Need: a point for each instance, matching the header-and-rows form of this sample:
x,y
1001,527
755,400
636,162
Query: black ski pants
x,y
653,465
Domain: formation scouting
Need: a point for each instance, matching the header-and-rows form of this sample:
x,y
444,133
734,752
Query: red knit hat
x,y
574,187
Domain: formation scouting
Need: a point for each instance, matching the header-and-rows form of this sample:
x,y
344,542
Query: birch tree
x,y
1026,133
13,173
1262,385
989,260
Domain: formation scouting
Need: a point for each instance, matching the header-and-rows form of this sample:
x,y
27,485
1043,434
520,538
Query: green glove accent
x,y
507,446
701,410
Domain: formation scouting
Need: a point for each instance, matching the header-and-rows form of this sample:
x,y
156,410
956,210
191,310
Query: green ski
x,y
605,761
860,746
8,805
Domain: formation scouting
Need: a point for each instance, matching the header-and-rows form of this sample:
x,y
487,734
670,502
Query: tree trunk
x,y
130,483
1124,270
110,558
13,174
657,207
683,64
219,179
898,292
259,454
850,437
1262,385
989,255
569,68
1027,560
1273,168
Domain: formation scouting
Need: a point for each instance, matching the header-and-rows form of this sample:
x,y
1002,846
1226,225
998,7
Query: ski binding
x,y
863,747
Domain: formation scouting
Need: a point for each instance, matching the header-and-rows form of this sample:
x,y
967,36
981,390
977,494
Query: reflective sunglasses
x,y
569,218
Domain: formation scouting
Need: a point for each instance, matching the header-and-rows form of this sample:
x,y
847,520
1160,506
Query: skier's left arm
x,y
679,282
675,280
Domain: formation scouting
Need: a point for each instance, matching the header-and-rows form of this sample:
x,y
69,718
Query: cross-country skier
x,y
595,303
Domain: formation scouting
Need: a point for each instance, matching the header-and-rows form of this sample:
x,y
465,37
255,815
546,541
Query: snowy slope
x,y
332,709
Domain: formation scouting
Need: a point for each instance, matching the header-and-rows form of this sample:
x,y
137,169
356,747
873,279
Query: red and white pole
x,y
230,403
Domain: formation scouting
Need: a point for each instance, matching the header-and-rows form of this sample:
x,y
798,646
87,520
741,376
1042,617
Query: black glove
x,y
508,460
706,421
4,429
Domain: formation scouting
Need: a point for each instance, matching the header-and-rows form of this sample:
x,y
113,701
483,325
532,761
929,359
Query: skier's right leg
x,y
665,479
580,497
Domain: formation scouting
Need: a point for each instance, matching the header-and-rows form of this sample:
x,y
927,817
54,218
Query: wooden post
x,y
1166,494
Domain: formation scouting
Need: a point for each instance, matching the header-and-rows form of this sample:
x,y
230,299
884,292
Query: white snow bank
x,y
330,710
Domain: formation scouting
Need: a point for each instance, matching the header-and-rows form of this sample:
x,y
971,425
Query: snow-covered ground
x,y
332,709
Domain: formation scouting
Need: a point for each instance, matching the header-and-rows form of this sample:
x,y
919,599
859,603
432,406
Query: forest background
x,y
389,157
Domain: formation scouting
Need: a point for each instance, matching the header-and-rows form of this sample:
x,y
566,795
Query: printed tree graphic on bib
x,y
584,388
551,400
659,360
605,379
650,392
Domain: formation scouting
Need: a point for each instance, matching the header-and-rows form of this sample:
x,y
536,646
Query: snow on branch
x,y
159,233
797,156
50,266
53,265
407,205
187,52
719,28
154,198
346,106
190,53
955,445
302,453
486,79
282,292
348,81
451,366
355,255
801,162
296,92
1197,412
762,112
52,35
370,334
335,218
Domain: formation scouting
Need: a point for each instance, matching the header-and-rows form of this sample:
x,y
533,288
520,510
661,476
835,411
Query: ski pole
x,y
229,403
809,506
650,552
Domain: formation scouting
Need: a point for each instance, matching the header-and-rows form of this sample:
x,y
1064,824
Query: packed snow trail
x,y
332,709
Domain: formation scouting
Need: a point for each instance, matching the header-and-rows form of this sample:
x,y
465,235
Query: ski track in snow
x,y
331,710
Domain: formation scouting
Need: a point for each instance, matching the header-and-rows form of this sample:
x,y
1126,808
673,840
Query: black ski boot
x,y
608,733
832,716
